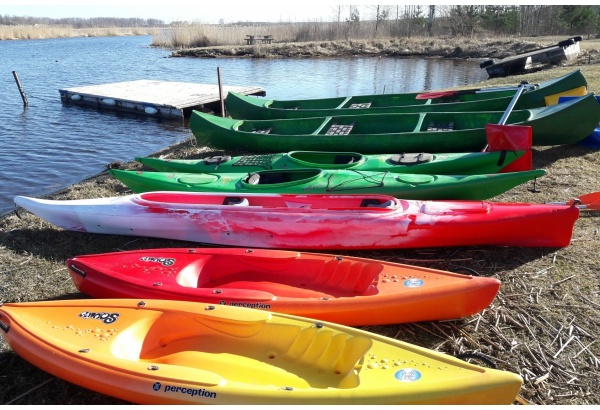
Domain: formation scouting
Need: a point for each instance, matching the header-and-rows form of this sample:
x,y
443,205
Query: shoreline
x,y
415,47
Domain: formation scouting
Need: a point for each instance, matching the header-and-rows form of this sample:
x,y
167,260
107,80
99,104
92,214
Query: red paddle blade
x,y
434,94
511,138
590,201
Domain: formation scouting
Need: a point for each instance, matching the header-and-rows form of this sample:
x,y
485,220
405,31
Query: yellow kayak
x,y
174,352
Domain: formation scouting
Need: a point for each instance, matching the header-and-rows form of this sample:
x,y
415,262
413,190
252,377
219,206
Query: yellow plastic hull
x,y
172,352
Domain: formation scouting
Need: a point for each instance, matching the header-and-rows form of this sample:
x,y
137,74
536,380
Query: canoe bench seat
x,y
360,105
339,129
261,130
440,126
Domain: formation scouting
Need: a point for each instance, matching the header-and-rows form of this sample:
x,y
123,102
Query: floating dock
x,y
535,60
163,99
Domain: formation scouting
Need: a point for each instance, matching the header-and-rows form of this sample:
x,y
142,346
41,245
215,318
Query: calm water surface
x,y
48,146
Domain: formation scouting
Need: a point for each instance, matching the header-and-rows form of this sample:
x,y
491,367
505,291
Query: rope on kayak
x,y
477,356
372,178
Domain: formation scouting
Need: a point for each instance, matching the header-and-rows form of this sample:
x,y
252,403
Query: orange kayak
x,y
174,352
342,289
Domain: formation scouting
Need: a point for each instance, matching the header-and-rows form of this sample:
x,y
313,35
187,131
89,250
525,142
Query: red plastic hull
x,y
346,290
314,222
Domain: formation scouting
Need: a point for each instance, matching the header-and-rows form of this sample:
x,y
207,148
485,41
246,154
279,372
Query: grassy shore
x,y
543,324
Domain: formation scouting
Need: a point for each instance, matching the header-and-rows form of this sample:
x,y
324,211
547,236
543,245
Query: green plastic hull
x,y
247,107
565,123
314,181
468,163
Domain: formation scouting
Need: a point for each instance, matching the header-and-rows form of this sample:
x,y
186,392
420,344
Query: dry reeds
x,y
39,31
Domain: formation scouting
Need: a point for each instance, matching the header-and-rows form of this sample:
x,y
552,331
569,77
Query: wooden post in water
x,y
221,92
23,96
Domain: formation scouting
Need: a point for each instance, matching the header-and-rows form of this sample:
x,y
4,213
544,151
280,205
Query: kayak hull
x,y
416,163
564,123
312,222
246,107
343,289
174,352
317,181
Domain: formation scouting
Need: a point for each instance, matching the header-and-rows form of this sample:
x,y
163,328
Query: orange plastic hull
x,y
341,289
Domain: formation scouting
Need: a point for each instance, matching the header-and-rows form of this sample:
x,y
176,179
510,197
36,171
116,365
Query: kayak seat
x,y
360,105
236,201
340,129
343,159
261,130
253,178
440,126
411,158
331,352
348,278
374,203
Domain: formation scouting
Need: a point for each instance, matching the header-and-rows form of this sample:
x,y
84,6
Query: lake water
x,y
47,146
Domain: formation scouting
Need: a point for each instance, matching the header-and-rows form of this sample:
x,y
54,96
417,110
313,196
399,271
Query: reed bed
x,y
27,32
205,35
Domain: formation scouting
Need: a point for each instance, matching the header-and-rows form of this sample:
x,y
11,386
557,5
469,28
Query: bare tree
x,y
337,12
430,20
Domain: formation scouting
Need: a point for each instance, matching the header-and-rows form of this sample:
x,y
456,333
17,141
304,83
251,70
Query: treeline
x,y
523,20
393,20
78,23
471,20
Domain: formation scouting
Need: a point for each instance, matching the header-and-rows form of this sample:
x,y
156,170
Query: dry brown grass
x,y
28,32
543,324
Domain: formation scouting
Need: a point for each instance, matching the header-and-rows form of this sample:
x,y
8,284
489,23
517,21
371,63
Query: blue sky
x,y
177,10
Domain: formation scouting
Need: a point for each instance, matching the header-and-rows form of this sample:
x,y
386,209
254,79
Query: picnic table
x,y
266,39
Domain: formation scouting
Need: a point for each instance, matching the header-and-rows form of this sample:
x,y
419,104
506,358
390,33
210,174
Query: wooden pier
x,y
535,60
164,99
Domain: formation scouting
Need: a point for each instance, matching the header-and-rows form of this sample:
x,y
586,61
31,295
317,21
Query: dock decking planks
x,y
163,99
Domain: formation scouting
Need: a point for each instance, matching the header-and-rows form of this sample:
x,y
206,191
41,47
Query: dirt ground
x,y
542,325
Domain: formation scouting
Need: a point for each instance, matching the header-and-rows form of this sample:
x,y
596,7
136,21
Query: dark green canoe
x,y
485,99
564,123
316,181
465,163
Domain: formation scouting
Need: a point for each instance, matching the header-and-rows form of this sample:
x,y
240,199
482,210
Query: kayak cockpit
x,y
162,200
258,278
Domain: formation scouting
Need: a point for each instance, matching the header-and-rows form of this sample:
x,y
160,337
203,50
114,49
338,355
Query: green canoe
x,y
466,163
564,123
316,181
484,99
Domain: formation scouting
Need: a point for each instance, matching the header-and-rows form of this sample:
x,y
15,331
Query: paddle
x,y
440,94
589,201
509,109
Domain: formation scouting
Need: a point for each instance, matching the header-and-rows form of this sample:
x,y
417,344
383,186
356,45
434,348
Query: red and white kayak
x,y
312,222
343,289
